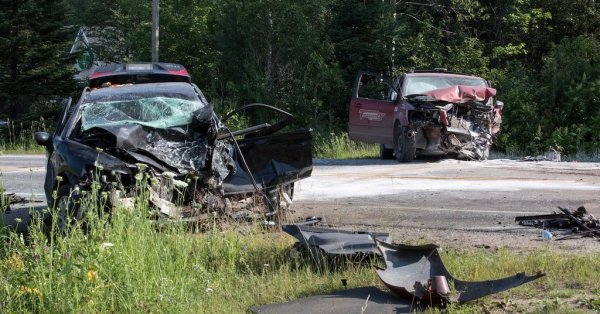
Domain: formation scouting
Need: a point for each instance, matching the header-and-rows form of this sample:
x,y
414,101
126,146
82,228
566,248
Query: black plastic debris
x,y
578,222
418,273
11,199
336,242
359,300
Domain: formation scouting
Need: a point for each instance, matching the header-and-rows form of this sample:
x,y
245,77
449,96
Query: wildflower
x,y
180,184
15,262
168,174
209,290
106,245
18,220
92,275
27,290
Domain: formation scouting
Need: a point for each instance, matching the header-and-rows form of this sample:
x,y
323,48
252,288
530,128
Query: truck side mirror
x,y
499,104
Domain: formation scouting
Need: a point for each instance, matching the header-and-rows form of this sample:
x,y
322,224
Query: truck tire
x,y
385,153
404,145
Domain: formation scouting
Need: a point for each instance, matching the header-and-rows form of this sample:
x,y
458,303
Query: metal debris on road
x,y
577,222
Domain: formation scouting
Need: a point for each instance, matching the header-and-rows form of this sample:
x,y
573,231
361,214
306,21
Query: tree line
x,y
543,56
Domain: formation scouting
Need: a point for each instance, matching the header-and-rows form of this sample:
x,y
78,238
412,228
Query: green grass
x,y
129,265
17,138
339,146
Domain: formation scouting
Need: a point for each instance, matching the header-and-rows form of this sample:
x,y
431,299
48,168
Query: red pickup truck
x,y
425,113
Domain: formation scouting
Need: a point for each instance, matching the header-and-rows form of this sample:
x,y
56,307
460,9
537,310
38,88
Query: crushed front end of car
x,y
461,121
164,144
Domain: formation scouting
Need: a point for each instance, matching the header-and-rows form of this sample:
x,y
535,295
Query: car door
x,y
371,114
50,180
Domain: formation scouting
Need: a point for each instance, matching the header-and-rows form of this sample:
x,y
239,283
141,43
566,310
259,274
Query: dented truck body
x,y
432,113
166,139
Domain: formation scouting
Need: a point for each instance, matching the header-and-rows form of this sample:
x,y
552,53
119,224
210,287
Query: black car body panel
x,y
169,131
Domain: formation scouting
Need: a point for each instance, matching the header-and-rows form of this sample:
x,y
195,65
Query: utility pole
x,y
155,18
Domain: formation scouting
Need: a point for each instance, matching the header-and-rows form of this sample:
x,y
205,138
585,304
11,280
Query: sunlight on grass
x,y
339,146
125,262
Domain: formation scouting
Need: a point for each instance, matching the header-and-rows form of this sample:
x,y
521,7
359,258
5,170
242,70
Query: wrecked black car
x,y
164,138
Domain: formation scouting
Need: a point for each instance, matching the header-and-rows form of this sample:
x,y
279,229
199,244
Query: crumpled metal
x,y
412,272
459,94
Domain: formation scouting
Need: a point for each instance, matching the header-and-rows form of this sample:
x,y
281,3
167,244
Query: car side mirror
x,y
499,104
42,138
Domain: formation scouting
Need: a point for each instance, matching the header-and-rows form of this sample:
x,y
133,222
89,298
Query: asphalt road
x,y
455,203
449,202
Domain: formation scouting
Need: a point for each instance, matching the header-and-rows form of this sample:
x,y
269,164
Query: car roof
x,y
446,74
139,73
136,91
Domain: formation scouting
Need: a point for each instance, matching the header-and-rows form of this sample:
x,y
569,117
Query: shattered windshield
x,y
159,106
421,84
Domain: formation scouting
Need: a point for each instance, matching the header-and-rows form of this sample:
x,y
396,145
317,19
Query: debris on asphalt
x,y
418,273
576,222
551,155
11,199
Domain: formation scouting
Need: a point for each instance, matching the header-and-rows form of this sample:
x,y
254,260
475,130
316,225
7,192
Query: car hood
x,y
456,94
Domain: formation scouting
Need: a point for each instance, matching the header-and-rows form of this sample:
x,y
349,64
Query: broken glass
x,y
154,112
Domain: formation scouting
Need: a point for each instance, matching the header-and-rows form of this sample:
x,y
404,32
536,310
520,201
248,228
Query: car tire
x,y
385,153
404,145
64,213
277,212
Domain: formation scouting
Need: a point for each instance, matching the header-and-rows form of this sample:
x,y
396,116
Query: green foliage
x,y
339,146
128,263
543,56
36,68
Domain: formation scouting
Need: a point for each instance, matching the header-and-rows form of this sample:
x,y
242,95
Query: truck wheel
x,y
385,153
404,145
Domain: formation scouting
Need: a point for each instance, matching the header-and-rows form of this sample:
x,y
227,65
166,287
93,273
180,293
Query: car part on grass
x,y
329,247
358,300
577,222
336,242
418,273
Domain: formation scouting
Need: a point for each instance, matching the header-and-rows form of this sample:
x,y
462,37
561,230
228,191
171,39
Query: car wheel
x,y
280,199
64,213
404,145
385,153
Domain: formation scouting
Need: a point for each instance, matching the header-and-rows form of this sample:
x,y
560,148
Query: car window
x,y
373,87
155,112
421,84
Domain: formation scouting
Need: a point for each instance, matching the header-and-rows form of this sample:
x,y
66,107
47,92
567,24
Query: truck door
x,y
371,117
